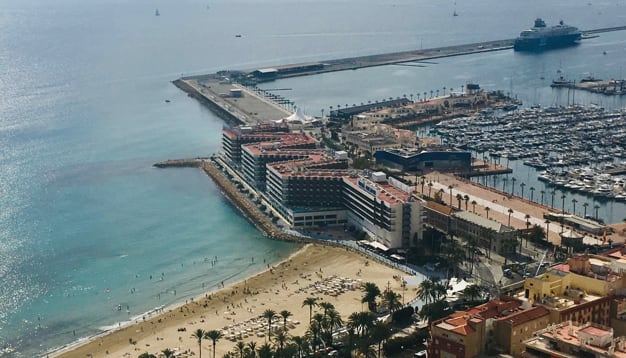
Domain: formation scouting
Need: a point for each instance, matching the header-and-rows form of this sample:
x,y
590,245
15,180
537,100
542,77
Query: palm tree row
x,y
200,334
364,331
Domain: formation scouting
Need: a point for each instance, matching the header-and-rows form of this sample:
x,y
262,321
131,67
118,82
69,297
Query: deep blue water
x,y
84,219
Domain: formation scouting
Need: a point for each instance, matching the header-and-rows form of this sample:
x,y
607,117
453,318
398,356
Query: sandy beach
x,y
313,271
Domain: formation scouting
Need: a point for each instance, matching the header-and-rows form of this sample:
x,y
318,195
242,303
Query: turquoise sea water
x,y
84,219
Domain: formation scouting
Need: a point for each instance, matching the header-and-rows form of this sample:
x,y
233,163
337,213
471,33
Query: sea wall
x,y
250,210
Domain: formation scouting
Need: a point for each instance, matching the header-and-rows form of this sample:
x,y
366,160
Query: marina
x,y
580,148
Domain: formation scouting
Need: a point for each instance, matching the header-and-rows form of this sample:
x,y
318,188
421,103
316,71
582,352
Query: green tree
x,y
269,315
311,302
281,338
391,300
240,348
198,334
214,336
326,306
168,353
371,292
252,348
361,322
265,351
380,332
434,311
302,344
472,292
332,321
285,314
459,198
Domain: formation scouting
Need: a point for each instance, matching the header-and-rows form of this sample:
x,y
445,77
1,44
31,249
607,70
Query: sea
x,y
92,236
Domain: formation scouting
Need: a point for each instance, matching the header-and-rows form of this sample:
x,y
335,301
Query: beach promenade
x,y
499,203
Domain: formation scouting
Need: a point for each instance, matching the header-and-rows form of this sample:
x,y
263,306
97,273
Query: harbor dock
x,y
225,95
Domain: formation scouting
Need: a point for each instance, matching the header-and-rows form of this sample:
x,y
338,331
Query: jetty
x,y
234,97
181,163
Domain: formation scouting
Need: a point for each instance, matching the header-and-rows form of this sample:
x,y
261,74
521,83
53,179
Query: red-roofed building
x,y
466,334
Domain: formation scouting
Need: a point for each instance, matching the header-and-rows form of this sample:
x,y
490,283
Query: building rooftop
x,y
440,208
567,335
458,325
521,316
298,168
384,191
483,221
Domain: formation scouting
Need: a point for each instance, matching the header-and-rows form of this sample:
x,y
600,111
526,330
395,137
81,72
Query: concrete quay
x,y
214,90
248,109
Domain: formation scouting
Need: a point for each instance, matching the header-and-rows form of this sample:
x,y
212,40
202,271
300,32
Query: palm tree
x,y
504,180
466,198
301,343
214,336
380,332
543,192
198,334
422,181
450,187
168,353
474,206
574,201
472,291
280,339
585,205
252,348
527,217
513,180
285,314
459,197
553,193
326,306
424,290
596,207
532,192
361,322
265,351
444,90
269,315
487,211
333,321
371,292
563,196
510,211
522,185
310,301
430,186
241,348
391,300
314,332
547,222
439,290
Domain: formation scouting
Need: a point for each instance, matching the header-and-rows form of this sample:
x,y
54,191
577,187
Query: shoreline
x,y
281,286
154,312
